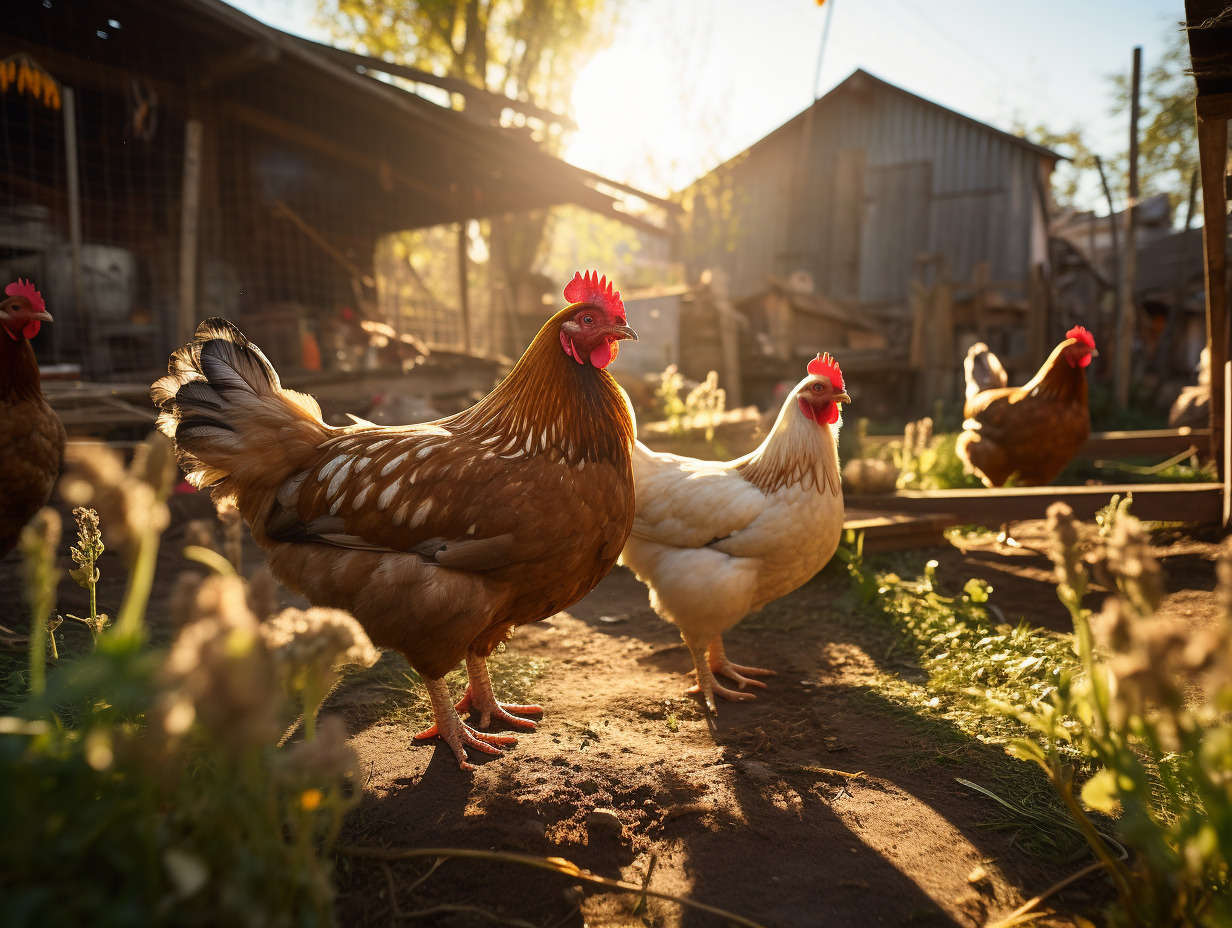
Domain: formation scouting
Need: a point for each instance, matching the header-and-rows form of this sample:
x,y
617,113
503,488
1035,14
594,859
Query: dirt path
x,y
746,812
819,803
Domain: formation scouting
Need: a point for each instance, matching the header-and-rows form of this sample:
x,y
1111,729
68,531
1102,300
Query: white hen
x,y
716,540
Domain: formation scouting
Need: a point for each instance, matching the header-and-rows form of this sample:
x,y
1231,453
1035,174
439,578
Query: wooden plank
x,y
1178,502
1212,155
1215,106
1143,443
897,531
190,214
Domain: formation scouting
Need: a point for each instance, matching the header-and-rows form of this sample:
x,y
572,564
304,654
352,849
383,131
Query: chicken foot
x,y
453,731
707,685
480,697
720,664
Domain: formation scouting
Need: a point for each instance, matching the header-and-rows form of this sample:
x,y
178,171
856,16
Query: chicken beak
x,y
842,397
42,316
622,331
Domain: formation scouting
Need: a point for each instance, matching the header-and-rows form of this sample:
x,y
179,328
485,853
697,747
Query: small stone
x,y
613,619
604,820
978,875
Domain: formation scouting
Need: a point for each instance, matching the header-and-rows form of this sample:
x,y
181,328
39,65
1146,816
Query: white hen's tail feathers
x,y
235,427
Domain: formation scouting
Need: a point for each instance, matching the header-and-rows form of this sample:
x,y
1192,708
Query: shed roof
x,y
442,165
860,81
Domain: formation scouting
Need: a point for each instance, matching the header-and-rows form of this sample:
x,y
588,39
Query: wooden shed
x,y
174,159
859,187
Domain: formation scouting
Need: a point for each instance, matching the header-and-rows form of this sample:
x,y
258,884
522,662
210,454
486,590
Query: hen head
x,y
23,312
591,332
821,392
1082,349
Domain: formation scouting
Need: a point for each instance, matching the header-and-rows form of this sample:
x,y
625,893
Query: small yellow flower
x,y
310,799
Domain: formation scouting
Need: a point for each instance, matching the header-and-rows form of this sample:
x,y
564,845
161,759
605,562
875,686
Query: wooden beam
x,y
1212,157
451,84
190,214
1176,502
1215,106
1143,443
298,135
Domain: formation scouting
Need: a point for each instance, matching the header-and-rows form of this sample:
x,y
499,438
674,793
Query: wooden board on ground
x,y
1177,502
897,531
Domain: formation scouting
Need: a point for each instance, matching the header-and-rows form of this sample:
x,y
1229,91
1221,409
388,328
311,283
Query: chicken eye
x,y
588,319
817,387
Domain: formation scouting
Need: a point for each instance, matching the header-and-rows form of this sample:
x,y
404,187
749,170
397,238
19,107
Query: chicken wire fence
x,y
144,187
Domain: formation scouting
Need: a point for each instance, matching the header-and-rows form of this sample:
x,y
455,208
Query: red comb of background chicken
x,y
825,366
1082,335
30,327
591,288
24,288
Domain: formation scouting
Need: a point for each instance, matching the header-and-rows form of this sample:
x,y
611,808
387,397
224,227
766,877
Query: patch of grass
x,y
390,691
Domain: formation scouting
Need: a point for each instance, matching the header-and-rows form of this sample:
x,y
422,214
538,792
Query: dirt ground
x,y
819,803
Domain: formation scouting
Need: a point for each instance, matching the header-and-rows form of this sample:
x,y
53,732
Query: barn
x,y
873,191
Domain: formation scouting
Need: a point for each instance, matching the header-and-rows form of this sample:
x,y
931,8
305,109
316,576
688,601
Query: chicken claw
x,y
707,686
480,697
720,664
456,733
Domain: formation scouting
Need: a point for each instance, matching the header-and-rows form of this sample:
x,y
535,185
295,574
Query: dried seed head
x,y
1138,575
128,504
1063,530
219,664
318,637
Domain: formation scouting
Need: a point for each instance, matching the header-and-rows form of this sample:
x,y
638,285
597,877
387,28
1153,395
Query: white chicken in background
x,y
716,540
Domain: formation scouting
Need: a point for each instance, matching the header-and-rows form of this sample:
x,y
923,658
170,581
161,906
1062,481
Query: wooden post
x,y
1212,156
463,294
1127,308
83,323
1227,443
190,216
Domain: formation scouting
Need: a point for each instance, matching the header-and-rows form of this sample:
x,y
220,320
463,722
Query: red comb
x,y
825,366
1078,333
591,288
24,288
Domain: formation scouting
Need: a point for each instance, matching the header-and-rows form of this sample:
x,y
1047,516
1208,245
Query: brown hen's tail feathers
x,y
233,422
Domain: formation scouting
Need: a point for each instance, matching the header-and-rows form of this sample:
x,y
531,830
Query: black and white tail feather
x,y
231,418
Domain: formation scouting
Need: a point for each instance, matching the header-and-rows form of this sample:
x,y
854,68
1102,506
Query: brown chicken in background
x,y
1031,431
439,537
31,434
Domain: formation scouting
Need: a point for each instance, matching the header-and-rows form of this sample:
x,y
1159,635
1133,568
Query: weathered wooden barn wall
x,y
886,176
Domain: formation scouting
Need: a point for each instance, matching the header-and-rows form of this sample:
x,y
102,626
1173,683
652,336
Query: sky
x,y
688,84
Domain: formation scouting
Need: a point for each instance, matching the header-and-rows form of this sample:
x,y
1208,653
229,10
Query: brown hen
x,y
1034,430
31,434
439,537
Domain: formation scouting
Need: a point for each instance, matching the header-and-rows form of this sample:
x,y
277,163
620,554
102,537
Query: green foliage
x,y
148,787
700,407
1168,140
525,49
1148,709
928,461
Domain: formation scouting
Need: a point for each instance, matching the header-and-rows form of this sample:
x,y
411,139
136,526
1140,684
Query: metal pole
x,y
463,294
1127,315
74,224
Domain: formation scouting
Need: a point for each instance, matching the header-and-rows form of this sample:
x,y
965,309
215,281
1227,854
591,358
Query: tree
x,y
1168,134
528,50
1071,179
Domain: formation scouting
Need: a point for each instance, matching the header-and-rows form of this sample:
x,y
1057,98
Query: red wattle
x,y
603,354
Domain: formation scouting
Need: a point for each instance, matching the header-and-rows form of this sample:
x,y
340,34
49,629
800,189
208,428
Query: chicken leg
x,y
480,697
709,659
453,731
